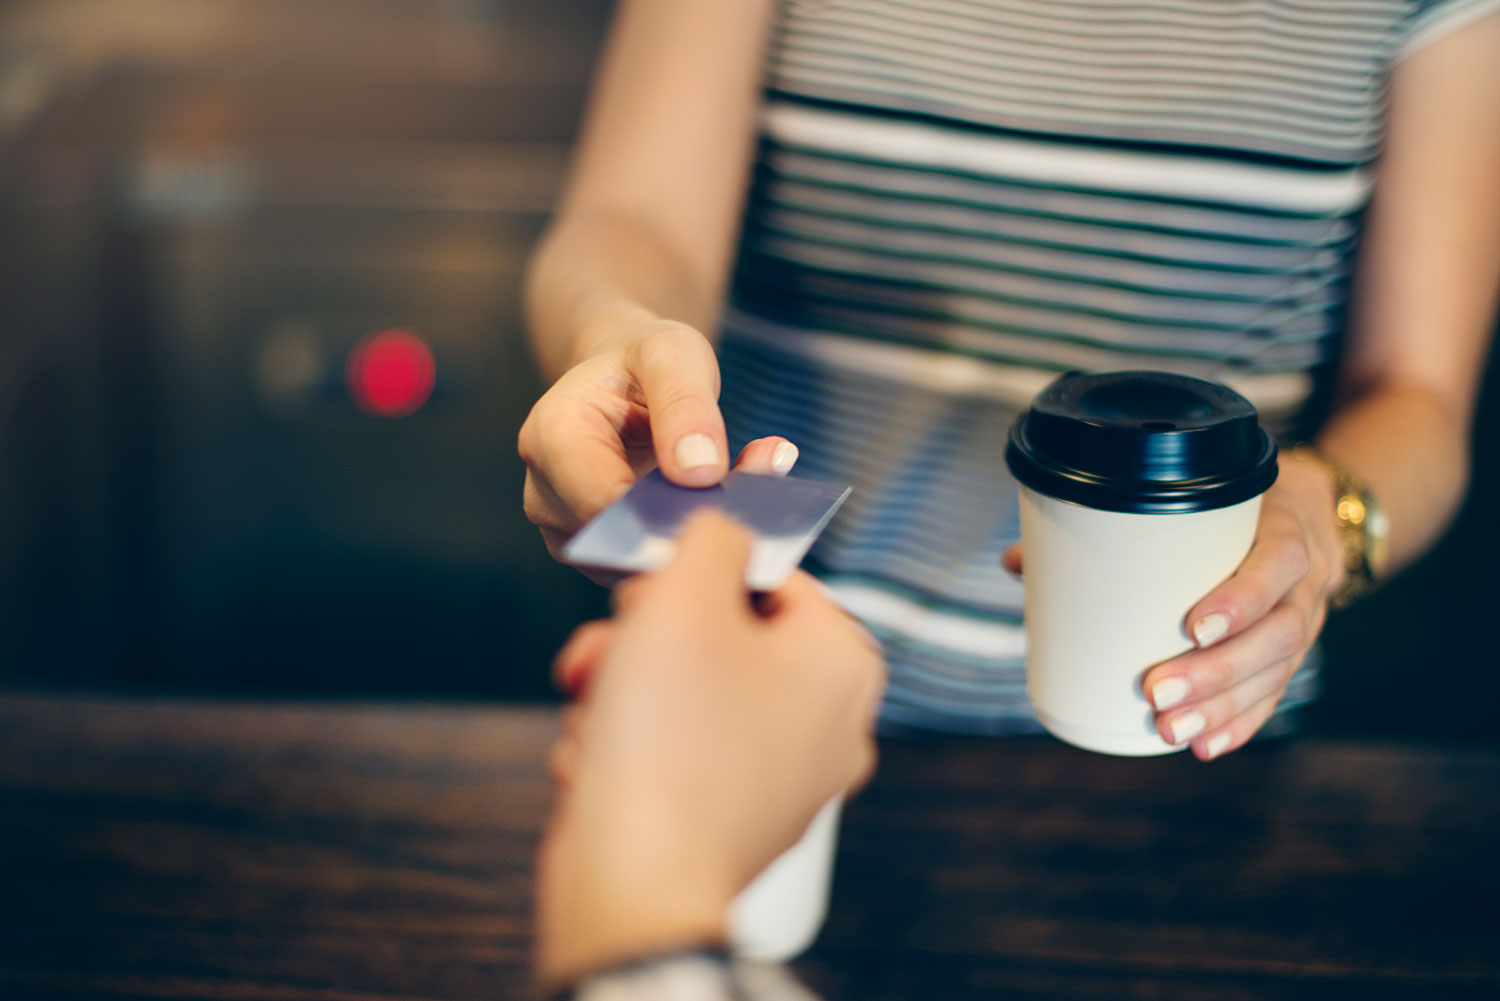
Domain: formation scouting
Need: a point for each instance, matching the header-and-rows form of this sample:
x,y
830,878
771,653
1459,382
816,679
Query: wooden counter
x,y
157,848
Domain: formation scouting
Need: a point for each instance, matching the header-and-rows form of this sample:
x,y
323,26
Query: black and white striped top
x,y
955,200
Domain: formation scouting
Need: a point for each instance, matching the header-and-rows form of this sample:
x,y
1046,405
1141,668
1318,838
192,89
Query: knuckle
x,y
1292,552
1224,673
680,401
1318,567
1215,673
526,440
531,440
1289,633
1257,596
677,347
536,508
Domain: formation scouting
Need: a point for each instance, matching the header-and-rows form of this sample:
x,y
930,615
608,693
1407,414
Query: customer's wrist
x,y
610,896
582,941
589,948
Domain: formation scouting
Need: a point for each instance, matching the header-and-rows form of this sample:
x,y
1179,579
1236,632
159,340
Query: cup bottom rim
x,y
1105,741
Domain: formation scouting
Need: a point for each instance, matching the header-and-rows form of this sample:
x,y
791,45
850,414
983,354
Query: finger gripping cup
x,y
1140,493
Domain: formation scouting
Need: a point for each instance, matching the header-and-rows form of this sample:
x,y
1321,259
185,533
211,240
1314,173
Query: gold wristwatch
x,y
1363,528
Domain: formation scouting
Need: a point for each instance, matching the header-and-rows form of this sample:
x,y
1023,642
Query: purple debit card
x,y
638,531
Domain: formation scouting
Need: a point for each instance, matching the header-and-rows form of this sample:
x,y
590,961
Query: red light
x,y
390,373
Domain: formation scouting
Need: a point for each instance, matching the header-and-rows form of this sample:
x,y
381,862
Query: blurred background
x,y
206,206
261,365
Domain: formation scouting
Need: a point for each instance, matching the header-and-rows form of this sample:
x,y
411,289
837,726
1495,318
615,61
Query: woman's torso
x,y
956,200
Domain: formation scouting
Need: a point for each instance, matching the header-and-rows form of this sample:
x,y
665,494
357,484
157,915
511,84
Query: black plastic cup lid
x,y
1142,442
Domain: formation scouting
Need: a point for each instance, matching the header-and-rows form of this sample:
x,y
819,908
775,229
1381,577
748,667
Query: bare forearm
x,y
1412,448
647,226
595,274
1426,289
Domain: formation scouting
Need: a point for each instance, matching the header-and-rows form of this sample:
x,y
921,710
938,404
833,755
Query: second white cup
x,y
778,915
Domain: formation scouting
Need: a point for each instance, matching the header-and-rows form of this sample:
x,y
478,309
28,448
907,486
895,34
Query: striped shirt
x,y
956,200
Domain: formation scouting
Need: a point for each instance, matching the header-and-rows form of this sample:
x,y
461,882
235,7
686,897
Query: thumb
x,y
678,374
709,566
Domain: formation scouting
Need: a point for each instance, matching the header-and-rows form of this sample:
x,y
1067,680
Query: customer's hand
x,y
1253,631
706,735
646,397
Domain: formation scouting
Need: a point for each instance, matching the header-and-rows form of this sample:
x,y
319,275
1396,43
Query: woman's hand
x,y
644,398
1252,631
706,734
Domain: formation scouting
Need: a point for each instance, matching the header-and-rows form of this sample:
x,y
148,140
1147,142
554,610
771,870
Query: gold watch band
x,y
1361,525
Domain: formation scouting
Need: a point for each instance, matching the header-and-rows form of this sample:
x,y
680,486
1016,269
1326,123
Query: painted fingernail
x,y
1168,692
1187,726
696,450
1217,744
784,458
1210,628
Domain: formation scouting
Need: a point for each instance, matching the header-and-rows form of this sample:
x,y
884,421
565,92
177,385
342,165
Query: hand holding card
x,y
639,530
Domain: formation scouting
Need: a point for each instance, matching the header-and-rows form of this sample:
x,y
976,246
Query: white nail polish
x,y
1168,692
1210,628
697,450
1217,743
1187,726
784,458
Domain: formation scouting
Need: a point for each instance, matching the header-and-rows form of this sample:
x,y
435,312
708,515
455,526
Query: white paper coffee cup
x,y
778,915
1140,493
1107,595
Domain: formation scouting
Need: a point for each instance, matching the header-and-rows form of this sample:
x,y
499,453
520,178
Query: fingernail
x,y
1168,692
1210,628
697,450
1217,744
1187,726
784,458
